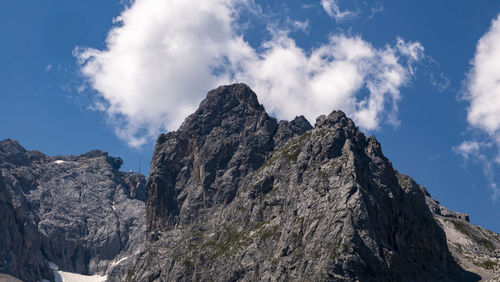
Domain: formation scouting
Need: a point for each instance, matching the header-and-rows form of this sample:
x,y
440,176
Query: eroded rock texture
x,y
233,195
20,241
79,212
475,248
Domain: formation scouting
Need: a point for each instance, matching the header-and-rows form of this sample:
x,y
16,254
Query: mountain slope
x,y
233,195
476,249
79,212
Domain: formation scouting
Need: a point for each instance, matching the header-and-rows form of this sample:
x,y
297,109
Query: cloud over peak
x,y
163,56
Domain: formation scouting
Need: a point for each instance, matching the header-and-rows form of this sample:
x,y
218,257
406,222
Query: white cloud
x,y
302,26
159,60
484,82
377,9
163,56
479,152
495,190
439,81
329,78
467,149
333,10
483,94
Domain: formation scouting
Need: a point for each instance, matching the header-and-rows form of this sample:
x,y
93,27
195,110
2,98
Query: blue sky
x,y
109,75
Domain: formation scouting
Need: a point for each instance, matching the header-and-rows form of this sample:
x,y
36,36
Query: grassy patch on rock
x,y
290,151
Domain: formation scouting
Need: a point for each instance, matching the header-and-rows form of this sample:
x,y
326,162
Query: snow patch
x,y
63,276
59,162
119,261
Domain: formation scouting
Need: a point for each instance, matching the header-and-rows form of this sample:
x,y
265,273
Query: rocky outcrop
x,y
20,244
199,167
287,130
79,212
438,209
233,195
475,248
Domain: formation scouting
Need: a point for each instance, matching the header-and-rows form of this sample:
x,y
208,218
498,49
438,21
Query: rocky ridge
x,y
233,195
475,248
79,212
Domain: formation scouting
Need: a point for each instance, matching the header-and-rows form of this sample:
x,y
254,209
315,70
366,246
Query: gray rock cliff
x,y
20,241
233,195
476,249
79,212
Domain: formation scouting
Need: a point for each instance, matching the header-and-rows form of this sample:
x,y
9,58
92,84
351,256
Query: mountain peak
x,y
12,152
228,105
295,202
240,91
335,118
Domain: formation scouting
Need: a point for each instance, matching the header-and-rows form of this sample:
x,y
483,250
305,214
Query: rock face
x,y
200,165
79,212
476,249
233,195
20,244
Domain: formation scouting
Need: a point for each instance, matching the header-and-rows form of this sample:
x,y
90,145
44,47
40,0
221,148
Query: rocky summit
x,y
235,195
78,212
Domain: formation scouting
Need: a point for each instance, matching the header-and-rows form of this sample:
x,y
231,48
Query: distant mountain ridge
x,y
235,195
79,212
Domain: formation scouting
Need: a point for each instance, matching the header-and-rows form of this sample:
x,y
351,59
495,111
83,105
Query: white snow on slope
x,y
62,276
59,162
73,277
120,260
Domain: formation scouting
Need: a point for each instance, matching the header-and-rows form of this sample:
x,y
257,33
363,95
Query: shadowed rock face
x,y
79,212
20,243
199,167
233,195
476,249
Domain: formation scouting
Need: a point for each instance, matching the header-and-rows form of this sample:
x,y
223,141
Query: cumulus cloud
x,y
160,57
333,10
330,77
484,82
483,95
163,56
